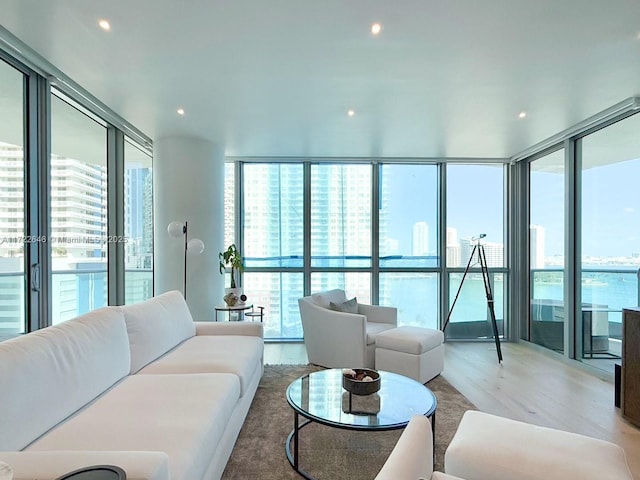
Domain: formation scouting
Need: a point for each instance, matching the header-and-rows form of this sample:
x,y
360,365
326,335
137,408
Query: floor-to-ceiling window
x,y
610,237
372,229
408,240
548,311
341,228
273,241
12,201
475,207
78,185
138,223
56,141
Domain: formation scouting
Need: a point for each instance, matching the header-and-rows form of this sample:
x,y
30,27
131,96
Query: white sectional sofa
x,y
143,387
488,447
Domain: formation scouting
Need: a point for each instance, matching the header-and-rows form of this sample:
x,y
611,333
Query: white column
x,y
188,175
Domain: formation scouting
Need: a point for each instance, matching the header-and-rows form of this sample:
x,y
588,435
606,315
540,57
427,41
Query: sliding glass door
x,y
79,234
610,235
12,202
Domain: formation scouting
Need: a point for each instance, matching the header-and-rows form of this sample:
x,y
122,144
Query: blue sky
x,y
610,205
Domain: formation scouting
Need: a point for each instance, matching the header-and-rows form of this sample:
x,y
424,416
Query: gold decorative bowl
x,y
360,381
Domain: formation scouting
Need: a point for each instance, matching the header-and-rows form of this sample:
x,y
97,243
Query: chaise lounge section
x,y
488,447
143,387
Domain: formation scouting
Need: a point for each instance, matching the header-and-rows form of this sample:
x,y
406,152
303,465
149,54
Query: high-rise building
x,y
420,239
494,253
453,248
78,231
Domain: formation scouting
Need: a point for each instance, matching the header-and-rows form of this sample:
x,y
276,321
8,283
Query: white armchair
x,y
338,339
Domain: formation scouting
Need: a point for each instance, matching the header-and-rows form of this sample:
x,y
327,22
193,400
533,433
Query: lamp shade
x,y
195,246
176,229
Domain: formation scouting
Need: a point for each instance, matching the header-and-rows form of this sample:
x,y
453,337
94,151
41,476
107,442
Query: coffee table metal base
x,y
293,453
293,437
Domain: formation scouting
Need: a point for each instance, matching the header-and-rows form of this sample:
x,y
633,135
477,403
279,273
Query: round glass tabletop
x,y
319,396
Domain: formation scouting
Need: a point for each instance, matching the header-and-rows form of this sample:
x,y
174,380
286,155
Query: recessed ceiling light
x,y
180,111
104,24
522,114
376,28
351,112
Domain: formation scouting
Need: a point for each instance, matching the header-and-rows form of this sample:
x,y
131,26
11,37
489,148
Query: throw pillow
x,y
350,306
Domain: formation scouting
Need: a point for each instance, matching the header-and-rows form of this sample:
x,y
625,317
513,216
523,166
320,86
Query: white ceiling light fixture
x,y
180,111
376,28
522,114
351,112
104,24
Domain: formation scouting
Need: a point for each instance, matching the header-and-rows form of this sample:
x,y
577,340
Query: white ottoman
x,y
489,447
415,352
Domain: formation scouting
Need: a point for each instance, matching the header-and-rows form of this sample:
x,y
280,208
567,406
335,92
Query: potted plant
x,y
232,259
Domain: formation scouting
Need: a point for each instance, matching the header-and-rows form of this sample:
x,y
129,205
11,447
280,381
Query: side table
x,y
253,314
96,472
238,309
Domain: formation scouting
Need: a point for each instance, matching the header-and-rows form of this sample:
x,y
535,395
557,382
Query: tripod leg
x,y
464,275
487,289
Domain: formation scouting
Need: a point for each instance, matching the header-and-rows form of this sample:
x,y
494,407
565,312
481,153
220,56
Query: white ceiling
x,y
445,78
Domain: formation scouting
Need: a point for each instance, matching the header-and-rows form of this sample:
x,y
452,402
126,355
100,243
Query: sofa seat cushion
x,y
155,326
373,329
182,415
486,446
237,354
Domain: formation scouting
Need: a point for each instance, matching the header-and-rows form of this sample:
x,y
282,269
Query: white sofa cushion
x,y
49,374
374,329
182,415
157,325
237,354
487,447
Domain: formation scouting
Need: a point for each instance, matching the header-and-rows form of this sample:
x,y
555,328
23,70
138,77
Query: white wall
x,y
188,176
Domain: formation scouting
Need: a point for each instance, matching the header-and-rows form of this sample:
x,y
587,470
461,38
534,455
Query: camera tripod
x,y
479,248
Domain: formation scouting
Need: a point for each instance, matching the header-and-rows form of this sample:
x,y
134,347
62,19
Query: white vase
x,y
237,292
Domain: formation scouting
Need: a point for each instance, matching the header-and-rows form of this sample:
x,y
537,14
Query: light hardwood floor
x,y
529,385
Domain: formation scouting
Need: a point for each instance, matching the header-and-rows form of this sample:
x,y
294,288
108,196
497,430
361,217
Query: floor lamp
x,y
194,246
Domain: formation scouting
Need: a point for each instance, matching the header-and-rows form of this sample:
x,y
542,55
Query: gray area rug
x,y
326,453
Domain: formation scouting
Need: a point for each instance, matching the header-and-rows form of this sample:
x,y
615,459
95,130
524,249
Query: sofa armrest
x,y
379,314
412,457
253,329
49,465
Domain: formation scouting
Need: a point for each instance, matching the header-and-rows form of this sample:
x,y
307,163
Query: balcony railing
x,y
604,293
74,292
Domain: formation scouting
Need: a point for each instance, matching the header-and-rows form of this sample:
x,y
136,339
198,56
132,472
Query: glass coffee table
x,y
320,398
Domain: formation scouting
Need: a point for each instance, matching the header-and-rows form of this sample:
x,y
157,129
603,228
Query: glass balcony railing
x,y
605,292
73,293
